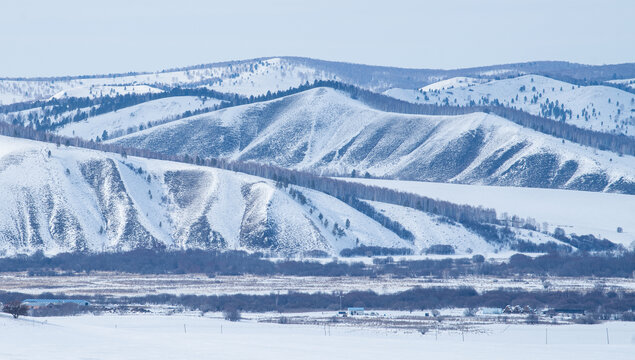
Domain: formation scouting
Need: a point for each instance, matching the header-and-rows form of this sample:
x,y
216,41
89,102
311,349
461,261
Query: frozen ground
x,y
194,337
579,212
199,284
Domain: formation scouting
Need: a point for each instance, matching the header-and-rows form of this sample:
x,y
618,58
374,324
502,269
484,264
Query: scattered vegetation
x,y
240,262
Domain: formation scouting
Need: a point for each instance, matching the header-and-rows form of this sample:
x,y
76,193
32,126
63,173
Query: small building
x,y
356,311
38,303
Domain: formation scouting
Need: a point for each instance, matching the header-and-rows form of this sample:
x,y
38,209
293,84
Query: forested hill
x,y
150,205
328,131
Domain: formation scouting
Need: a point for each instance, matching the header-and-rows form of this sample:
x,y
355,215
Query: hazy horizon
x,y
76,38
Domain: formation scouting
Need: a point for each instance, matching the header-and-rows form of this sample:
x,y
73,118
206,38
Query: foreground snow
x,y
193,337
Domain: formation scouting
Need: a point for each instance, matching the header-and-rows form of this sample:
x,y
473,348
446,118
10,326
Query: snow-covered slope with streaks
x,y
325,131
77,199
597,107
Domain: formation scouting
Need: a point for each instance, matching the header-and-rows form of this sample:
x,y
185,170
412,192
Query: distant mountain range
x,y
262,111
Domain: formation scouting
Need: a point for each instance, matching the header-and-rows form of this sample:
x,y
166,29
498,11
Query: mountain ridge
x,y
328,132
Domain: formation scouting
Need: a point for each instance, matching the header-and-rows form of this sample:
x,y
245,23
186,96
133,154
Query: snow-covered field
x,y
115,284
597,107
579,212
210,337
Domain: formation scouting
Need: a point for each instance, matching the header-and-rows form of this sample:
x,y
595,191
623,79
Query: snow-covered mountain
x,y
258,76
596,107
327,132
78,199
251,77
61,199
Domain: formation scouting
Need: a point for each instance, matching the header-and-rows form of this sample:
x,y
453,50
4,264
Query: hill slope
x,y
325,131
599,108
77,199
579,212
257,76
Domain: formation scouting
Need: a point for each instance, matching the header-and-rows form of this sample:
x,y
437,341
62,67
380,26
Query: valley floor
x,y
153,336
113,284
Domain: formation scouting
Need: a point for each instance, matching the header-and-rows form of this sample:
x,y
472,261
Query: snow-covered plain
x,y
194,337
597,107
579,212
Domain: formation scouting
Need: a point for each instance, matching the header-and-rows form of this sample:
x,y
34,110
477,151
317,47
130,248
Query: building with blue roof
x,y
37,303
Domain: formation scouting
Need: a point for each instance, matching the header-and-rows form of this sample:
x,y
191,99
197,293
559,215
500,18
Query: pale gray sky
x,y
67,37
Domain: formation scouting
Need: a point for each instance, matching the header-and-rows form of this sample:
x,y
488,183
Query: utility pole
x,y
545,336
607,336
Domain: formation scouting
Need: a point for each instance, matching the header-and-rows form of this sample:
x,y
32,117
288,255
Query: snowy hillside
x,y
258,76
253,77
599,108
94,91
453,83
132,118
325,131
577,212
78,199
628,82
